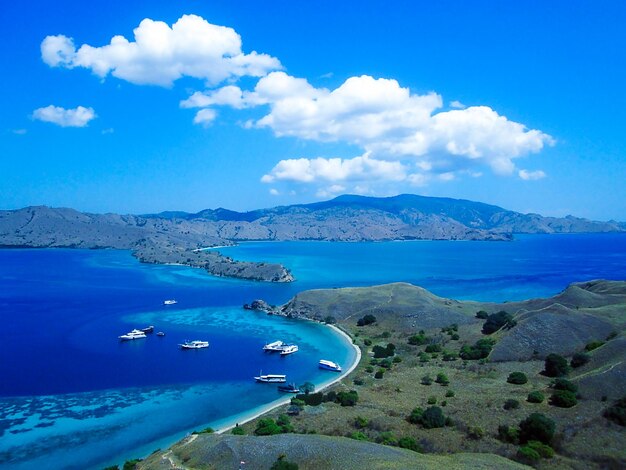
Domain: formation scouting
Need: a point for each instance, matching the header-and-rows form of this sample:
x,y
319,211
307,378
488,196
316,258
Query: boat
x,y
197,344
329,365
271,378
134,334
148,330
291,388
289,349
276,346
170,302
160,333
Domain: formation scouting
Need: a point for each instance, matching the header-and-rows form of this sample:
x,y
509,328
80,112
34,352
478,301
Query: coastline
x,y
246,417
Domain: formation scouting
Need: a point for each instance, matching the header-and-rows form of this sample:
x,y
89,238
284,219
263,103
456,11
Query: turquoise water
x,y
72,396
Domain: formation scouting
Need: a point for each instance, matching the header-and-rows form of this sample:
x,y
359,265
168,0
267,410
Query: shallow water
x,y
72,396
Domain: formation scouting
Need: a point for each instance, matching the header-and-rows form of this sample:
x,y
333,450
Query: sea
x,y
72,396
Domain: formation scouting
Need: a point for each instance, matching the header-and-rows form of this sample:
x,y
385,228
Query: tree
x,y
410,443
479,350
563,399
556,366
419,339
366,320
348,398
537,427
518,378
564,384
442,379
482,315
307,387
498,320
433,418
535,397
511,404
238,431
267,427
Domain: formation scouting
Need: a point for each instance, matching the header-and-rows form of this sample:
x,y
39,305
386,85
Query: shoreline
x,y
245,418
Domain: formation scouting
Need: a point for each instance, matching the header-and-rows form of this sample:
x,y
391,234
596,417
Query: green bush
x,y
416,416
386,363
427,380
432,400
330,320
208,430
479,350
556,366
366,320
527,455
442,379
455,337
563,399
387,438
617,412
384,351
450,356
423,357
449,393
579,359
358,381
410,443
397,359
544,450
433,348
433,418
311,399
282,464
518,378
475,433
131,464
444,403
537,427
358,436
482,315
564,384
508,434
535,397
360,422
367,342
593,345
498,320
238,431
511,404
380,373
267,427
369,369
419,339
348,398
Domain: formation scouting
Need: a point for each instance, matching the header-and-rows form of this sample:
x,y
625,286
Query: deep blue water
x,y
72,396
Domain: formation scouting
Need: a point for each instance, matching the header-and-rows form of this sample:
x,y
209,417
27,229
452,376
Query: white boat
x,y
170,302
329,365
197,344
271,378
289,349
134,334
276,346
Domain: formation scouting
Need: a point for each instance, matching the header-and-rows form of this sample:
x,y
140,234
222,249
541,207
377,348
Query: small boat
x,y
160,333
170,302
276,346
271,378
148,330
134,334
197,344
291,388
330,365
289,349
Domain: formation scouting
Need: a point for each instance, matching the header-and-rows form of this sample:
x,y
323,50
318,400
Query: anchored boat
x,y
170,302
271,378
329,365
291,388
289,349
276,346
197,344
134,334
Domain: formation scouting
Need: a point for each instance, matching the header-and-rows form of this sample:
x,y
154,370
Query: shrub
x,y
416,416
131,464
330,320
444,403
535,397
498,320
358,436
282,464
385,334
419,339
423,357
544,450
348,398
518,378
593,345
556,366
432,400
208,430
612,334
433,418
360,422
386,363
537,427
267,427
511,404
579,359
387,438
380,373
563,399
410,443
450,356
455,337
384,351
482,315
527,455
508,434
298,402
358,381
367,342
479,350
369,369
427,380
442,379
433,348
238,431
366,320
617,412
475,433
397,359
564,384
311,399
449,393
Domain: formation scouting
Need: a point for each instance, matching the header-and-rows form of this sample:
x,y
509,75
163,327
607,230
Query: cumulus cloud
x,y
160,54
531,175
274,192
77,117
205,117
456,104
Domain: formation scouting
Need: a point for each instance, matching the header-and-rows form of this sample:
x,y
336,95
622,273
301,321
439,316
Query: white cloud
x,y
160,54
330,191
77,117
274,192
456,104
531,175
306,170
205,117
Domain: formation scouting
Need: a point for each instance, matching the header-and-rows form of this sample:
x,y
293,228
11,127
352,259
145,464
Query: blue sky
x,y
519,104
